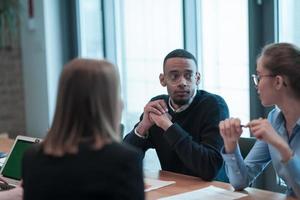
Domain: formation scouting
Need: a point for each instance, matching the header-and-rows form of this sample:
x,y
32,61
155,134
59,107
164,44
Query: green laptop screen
x,y
12,168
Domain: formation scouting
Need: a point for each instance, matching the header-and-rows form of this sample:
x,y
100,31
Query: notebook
x,y
11,169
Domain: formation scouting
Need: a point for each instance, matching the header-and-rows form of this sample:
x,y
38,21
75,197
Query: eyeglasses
x,y
175,77
256,78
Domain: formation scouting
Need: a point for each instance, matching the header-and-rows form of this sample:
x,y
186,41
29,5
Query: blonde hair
x,y
88,107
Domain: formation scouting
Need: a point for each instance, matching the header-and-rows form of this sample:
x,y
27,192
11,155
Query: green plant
x,y
9,22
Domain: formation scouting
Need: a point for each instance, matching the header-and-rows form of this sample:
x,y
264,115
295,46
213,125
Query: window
x,y
90,29
151,29
289,21
225,65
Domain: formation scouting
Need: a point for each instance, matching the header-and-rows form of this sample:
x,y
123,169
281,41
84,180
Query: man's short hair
x,y
180,53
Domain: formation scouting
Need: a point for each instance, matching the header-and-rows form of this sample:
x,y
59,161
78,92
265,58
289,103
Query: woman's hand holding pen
x,y
263,130
230,130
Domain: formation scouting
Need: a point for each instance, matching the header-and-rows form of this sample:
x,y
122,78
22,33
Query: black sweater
x,y
113,172
192,144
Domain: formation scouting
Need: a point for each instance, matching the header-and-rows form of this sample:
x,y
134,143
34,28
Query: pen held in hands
x,y
244,126
248,126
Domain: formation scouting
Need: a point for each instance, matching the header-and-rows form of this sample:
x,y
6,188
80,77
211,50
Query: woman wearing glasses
x,y
277,83
81,157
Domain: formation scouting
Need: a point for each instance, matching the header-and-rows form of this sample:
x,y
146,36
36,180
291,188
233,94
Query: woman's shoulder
x,y
121,153
275,115
33,150
123,149
32,154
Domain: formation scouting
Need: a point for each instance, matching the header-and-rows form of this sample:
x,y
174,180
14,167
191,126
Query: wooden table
x,y
188,183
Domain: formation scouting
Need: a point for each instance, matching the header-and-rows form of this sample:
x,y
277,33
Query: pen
x,y
244,126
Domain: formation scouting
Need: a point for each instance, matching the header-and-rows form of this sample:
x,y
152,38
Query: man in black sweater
x,y
183,125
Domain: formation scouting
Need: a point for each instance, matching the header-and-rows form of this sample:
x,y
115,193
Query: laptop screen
x,y
12,168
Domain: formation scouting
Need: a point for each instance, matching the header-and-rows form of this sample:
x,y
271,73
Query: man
x,y
183,125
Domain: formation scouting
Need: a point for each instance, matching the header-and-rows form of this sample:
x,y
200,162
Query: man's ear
x,y
162,80
198,77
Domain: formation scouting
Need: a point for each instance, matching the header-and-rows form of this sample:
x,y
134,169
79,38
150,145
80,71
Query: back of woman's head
x,y
284,59
88,107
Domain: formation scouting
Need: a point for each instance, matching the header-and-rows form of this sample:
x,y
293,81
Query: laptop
x,y
11,169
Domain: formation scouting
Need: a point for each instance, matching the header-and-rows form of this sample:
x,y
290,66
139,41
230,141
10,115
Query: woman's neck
x,y
291,111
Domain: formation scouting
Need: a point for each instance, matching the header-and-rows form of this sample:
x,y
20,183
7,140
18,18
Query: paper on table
x,y
2,160
152,184
210,192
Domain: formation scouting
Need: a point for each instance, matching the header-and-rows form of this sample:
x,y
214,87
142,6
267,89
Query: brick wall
x,y
12,112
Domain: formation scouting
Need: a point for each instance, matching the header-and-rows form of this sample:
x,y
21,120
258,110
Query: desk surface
x,y
188,183
183,183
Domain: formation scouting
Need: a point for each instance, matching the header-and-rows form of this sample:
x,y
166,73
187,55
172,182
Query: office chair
x,y
246,145
261,181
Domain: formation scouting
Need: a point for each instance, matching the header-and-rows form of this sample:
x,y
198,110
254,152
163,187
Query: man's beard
x,y
181,102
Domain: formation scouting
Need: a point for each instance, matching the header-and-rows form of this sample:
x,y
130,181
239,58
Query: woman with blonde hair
x,y
277,83
81,157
